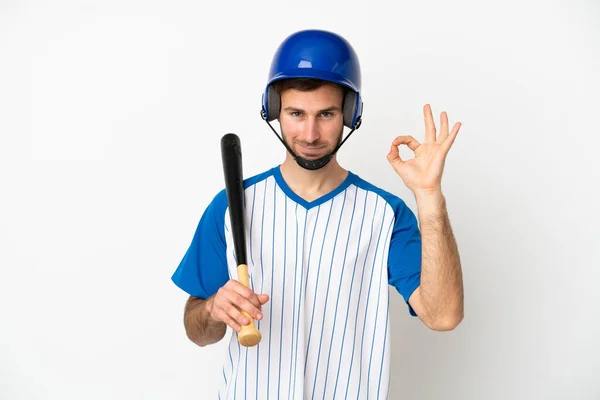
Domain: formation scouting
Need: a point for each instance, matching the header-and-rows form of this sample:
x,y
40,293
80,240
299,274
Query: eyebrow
x,y
328,109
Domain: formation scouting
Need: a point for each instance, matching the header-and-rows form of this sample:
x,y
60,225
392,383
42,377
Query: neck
x,y
311,185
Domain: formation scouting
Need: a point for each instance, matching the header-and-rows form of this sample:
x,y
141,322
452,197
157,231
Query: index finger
x,y
408,140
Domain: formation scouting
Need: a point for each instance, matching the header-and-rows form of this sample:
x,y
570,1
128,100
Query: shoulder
x,y
253,180
395,202
406,226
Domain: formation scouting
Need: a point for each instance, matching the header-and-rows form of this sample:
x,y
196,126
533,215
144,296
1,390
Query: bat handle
x,y
249,335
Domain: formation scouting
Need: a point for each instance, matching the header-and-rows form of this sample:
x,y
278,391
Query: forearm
x,y
199,326
441,276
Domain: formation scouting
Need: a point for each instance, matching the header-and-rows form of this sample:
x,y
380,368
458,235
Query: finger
x,y
244,291
429,124
224,311
233,312
241,302
452,136
263,298
230,322
408,140
394,156
443,127
219,314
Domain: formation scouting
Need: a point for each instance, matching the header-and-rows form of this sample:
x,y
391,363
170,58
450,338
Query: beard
x,y
315,149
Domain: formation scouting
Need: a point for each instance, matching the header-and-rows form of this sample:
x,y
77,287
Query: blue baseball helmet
x,y
316,54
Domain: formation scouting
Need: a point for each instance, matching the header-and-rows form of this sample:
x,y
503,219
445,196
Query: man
x,y
323,244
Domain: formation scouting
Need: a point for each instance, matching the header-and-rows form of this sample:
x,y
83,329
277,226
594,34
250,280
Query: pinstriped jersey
x,y
327,266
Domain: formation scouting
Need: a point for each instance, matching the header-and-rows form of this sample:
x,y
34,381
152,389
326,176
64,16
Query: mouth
x,y
311,152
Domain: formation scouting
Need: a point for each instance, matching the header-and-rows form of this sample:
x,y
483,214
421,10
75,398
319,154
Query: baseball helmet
x,y
316,54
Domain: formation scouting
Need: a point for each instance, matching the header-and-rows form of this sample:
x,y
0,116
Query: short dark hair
x,y
304,85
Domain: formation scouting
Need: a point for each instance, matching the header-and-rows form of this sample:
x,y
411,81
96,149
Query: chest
x,y
348,234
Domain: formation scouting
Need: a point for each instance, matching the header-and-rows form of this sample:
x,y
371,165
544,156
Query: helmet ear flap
x,y
273,104
352,108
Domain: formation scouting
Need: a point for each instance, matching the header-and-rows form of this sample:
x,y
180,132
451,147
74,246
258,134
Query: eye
x,y
295,113
326,114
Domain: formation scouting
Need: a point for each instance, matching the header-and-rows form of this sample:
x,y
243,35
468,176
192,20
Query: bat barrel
x,y
231,153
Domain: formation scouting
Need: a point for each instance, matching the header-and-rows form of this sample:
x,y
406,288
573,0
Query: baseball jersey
x,y
327,266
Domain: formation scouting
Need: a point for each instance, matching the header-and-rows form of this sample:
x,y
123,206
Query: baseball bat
x,y
231,153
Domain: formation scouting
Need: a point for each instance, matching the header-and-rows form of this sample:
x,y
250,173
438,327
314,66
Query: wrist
x,y
430,202
207,307
429,195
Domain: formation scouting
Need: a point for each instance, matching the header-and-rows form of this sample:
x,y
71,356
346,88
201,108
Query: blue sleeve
x,y
404,259
203,269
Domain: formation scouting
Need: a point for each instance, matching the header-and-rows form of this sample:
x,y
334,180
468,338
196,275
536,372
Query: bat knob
x,y
249,336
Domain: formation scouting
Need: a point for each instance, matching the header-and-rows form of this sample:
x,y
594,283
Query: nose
x,y
312,130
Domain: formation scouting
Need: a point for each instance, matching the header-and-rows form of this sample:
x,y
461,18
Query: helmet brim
x,y
314,74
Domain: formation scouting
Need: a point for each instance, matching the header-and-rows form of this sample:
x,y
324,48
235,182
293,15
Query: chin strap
x,y
311,165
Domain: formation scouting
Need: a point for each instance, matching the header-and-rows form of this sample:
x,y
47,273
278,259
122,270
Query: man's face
x,y
312,122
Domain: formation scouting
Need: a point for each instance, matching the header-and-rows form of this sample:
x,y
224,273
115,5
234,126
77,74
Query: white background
x,y
110,119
